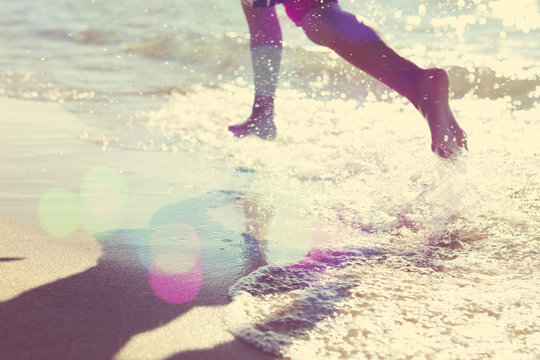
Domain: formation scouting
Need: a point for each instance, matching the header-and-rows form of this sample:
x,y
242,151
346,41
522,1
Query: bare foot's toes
x,y
447,150
263,128
441,151
449,142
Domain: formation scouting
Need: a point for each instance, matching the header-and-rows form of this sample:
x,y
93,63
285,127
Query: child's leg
x,y
265,45
357,43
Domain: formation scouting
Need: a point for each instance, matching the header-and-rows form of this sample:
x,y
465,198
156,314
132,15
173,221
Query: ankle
x,y
263,106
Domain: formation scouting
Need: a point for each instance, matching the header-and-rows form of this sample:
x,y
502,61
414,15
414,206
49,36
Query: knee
x,y
316,25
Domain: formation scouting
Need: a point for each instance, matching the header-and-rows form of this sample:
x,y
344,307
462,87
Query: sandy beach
x,y
134,225
79,296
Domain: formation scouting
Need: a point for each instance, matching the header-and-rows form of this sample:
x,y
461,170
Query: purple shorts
x,y
296,9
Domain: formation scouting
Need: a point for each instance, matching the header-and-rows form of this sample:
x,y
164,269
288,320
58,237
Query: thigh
x,y
296,9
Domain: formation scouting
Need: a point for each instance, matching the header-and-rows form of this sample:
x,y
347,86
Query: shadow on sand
x,y
93,314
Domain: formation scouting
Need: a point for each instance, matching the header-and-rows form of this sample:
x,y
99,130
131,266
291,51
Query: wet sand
x,y
82,296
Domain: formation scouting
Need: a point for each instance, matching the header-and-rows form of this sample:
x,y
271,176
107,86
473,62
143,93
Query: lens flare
x,y
59,211
175,247
176,288
103,201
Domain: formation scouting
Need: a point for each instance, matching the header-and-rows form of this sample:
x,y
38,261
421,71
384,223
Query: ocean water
x,y
371,246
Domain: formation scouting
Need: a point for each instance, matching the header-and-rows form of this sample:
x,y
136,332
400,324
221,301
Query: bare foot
x,y
447,139
263,127
260,122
